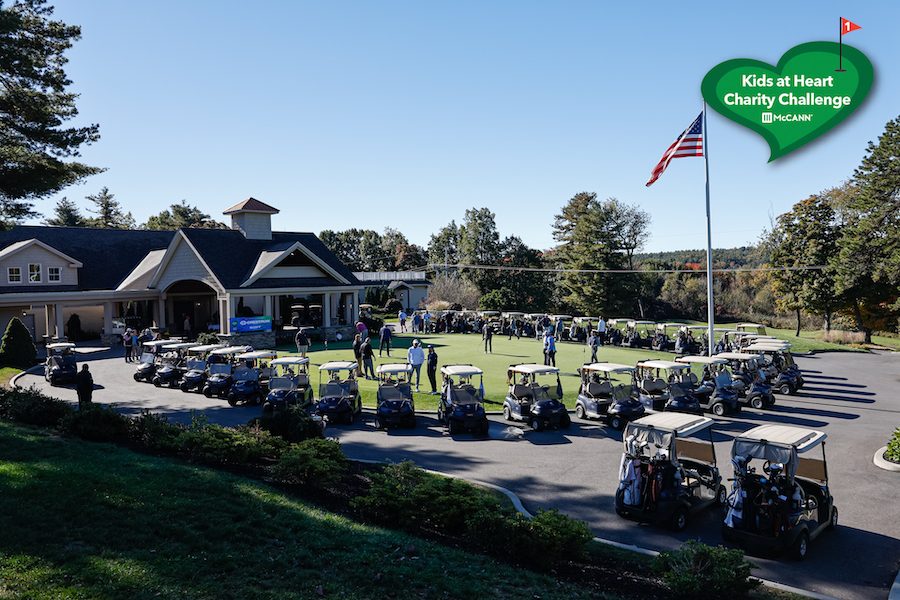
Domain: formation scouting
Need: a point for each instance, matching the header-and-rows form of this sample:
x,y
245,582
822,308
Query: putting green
x,y
469,349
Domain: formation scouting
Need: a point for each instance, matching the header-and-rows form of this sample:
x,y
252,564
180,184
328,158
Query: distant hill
x,y
744,256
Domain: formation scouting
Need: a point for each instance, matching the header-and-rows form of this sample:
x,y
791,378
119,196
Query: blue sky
x,y
404,114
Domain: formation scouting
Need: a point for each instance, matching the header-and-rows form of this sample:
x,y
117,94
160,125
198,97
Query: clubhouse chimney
x,y
252,218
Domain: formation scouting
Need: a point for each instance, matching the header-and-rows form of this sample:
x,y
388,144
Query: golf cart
x,y
749,380
751,328
632,338
460,408
787,505
220,365
664,478
601,398
527,400
171,367
787,378
615,331
662,341
251,377
394,405
195,376
288,384
714,390
151,355
689,339
339,399
660,387
492,318
61,365
560,327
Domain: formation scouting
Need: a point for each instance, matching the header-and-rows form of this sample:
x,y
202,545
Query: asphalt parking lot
x,y
851,396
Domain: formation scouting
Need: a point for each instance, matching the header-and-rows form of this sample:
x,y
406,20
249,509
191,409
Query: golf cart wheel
x,y
679,519
718,409
506,414
185,387
232,401
536,424
137,377
784,389
157,382
721,496
832,523
800,547
579,411
350,417
617,423
207,391
757,402
268,409
565,422
378,423
485,427
453,428
440,416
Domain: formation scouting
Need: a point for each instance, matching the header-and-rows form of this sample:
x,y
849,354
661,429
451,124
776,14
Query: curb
x,y
517,504
883,463
14,382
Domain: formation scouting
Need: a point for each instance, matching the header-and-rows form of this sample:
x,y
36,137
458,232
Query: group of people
x,y
421,323
416,356
133,341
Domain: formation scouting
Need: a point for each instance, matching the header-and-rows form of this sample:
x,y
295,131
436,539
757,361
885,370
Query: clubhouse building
x,y
244,283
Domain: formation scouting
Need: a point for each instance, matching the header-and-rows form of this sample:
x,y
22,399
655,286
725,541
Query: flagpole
x,y
840,44
710,306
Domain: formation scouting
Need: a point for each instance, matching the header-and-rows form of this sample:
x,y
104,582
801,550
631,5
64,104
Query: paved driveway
x,y
852,397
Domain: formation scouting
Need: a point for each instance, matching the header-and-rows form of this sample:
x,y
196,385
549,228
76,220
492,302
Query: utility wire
x,y
613,271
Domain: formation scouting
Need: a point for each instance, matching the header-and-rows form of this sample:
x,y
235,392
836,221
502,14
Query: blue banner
x,y
246,324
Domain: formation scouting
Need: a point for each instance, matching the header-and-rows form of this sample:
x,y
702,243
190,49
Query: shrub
x,y
392,306
97,424
293,424
154,432
207,337
893,448
837,336
698,569
389,498
316,463
219,445
17,347
31,407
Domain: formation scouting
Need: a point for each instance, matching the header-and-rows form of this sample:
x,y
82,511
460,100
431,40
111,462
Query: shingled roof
x,y
252,205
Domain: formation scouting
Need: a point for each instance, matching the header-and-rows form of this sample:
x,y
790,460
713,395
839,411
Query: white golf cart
x,y
660,386
714,389
339,398
461,408
151,353
394,405
61,365
288,384
529,400
194,377
603,396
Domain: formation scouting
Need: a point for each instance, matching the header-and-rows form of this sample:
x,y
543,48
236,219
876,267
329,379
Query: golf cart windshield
x,y
196,364
282,383
334,389
245,374
220,369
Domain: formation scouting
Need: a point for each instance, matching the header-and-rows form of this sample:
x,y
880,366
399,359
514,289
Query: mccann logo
x,y
768,117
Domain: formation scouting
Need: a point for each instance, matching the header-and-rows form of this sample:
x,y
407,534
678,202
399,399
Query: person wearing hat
x,y
432,369
415,356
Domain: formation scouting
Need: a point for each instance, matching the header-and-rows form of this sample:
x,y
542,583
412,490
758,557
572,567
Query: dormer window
x,y
34,273
14,275
54,274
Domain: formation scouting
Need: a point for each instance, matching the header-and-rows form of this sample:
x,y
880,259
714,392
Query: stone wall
x,y
260,340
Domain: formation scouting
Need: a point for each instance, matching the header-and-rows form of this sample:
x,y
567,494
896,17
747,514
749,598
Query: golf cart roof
x,y
739,325
736,355
669,324
801,438
61,346
179,346
767,347
536,315
607,368
488,313
634,323
392,368
228,350
561,317
461,370
698,327
365,306
258,354
662,364
204,348
533,369
338,365
702,360
290,360
681,424
157,343
513,314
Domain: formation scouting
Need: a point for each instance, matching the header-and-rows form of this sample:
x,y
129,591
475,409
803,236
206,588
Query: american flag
x,y
689,143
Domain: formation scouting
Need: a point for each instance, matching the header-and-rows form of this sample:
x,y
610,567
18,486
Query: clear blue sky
x,y
369,114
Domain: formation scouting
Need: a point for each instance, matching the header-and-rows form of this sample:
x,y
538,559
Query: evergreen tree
x,y
479,244
110,214
182,215
66,214
34,106
443,247
17,347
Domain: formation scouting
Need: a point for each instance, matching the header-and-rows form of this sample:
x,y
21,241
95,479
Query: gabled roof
x,y
19,246
252,205
107,256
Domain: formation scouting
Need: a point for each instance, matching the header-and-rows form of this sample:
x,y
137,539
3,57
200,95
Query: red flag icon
x,y
847,26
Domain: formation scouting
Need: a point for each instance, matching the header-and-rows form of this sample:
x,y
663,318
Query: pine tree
x,y
110,214
182,215
66,214
17,347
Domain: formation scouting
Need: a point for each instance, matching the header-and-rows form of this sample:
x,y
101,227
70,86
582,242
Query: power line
x,y
614,271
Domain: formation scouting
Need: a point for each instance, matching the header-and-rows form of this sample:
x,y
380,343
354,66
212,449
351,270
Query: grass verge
x,y
6,375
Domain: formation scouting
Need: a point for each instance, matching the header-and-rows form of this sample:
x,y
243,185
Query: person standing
x,y
187,327
513,331
551,350
432,369
135,345
426,322
357,354
402,316
84,387
416,322
126,341
416,356
384,337
593,343
601,330
362,329
546,355
365,350
302,342
487,334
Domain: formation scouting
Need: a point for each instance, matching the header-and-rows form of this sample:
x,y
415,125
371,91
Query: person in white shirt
x,y
416,356
402,316
601,330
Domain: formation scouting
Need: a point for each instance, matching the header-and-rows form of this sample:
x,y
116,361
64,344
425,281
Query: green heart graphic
x,y
794,102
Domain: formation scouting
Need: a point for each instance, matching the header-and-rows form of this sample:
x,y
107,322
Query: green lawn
x,y
83,520
6,374
469,349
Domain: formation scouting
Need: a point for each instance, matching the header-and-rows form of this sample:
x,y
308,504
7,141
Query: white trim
x,y
257,274
9,275
58,275
19,246
40,273
286,291
170,252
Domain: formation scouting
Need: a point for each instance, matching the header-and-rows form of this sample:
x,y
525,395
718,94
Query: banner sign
x,y
248,324
813,87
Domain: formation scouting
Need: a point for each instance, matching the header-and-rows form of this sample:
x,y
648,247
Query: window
x,y
34,273
14,275
54,274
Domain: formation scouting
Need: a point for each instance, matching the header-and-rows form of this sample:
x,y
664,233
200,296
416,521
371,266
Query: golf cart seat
x,y
464,395
332,389
653,386
405,390
622,392
692,379
302,379
596,389
390,392
520,392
